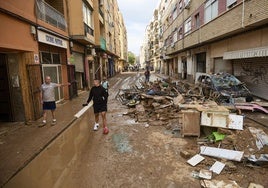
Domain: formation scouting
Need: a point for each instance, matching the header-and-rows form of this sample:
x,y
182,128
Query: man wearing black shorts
x,y
47,96
99,96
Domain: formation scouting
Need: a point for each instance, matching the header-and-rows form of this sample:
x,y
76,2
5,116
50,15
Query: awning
x,y
248,53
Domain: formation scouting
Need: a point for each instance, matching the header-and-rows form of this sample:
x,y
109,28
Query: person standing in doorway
x,y
100,97
47,96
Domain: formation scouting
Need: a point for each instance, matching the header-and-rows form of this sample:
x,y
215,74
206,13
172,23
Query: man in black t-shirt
x,y
99,96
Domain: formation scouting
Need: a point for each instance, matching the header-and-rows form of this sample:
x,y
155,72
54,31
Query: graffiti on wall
x,y
257,73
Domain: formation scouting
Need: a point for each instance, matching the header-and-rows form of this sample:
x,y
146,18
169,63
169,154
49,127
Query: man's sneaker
x,y
44,122
96,126
105,130
54,121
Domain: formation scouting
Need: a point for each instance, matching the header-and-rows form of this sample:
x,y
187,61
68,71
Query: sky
x,y
137,15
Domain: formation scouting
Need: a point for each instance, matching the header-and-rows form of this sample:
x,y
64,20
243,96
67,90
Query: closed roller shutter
x,y
254,73
78,62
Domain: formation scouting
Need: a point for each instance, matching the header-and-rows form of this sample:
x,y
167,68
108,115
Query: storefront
x,y
251,67
53,58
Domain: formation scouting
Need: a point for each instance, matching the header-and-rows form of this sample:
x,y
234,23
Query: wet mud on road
x,y
135,155
131,155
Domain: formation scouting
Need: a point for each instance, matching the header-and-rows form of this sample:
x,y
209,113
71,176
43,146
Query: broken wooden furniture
x,y
189,121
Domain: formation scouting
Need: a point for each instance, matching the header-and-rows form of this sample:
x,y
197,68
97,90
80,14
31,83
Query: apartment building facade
x,y
63,39
212,36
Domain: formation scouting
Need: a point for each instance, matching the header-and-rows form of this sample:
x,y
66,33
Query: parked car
x,y
223,87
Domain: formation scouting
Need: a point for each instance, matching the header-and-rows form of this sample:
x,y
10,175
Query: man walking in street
x,y
47,96
147,75
100,97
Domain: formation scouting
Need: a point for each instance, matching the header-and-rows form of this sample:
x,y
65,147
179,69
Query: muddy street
x,y
135,155
131,155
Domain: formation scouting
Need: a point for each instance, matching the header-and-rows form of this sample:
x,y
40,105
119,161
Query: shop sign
x,y
51,39
249,53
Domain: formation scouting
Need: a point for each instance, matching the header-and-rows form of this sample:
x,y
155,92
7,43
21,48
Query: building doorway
x,y
55,73
5,105
184,68
201,62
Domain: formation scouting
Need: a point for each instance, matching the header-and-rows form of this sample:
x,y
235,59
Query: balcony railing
x,y
50,15
88,30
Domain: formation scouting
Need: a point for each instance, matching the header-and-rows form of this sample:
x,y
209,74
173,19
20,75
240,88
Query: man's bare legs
x,y
44,116
97,118
104,121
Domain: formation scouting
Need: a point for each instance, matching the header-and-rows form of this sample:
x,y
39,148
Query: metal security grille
x,y
35,80
254,72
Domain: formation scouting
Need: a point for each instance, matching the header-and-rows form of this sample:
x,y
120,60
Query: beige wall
x,y
76,26
16,35
23,8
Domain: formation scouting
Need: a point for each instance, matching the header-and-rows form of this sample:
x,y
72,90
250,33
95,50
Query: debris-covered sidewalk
x,y
228,145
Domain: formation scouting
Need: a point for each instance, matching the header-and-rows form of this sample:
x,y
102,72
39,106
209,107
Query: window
x,y
180,6
186,2
175,35
50,58
180,33
230,3
187,26
211,10
197,20
87,15
175,13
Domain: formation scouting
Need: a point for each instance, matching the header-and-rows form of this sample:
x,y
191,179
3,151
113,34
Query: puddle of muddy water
x,y
122,143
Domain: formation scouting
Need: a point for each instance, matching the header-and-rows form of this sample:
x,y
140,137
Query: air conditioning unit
x,y
187,5
101,2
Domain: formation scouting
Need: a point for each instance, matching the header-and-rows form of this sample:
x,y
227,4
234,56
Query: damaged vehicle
x,y
223,87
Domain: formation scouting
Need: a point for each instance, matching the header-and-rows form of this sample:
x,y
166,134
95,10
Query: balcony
x,y
50,15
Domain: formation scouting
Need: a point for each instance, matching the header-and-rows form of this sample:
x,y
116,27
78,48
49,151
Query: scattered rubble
x,y
186,110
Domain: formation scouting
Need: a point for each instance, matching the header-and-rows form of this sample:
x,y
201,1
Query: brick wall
x,y
228,22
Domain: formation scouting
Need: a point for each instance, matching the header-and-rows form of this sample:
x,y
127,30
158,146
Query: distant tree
x,y
131,58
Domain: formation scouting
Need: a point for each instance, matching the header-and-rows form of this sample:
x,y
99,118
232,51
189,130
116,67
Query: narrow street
x,y
133,155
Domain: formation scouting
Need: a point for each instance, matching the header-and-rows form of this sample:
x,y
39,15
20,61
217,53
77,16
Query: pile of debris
x,y
183,109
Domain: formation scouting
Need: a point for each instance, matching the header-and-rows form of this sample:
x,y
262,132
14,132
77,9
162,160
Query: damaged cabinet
x,y
190,122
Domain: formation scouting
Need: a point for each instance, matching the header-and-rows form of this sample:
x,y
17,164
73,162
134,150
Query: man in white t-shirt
x,y
47,96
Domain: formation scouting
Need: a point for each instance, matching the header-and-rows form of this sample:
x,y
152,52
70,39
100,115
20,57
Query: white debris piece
x,y
222,153
195,160
217,167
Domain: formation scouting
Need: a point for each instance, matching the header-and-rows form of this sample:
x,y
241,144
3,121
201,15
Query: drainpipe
x,y
243,14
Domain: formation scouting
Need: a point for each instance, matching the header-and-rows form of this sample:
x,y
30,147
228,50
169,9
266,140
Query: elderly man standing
x,y
47,96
